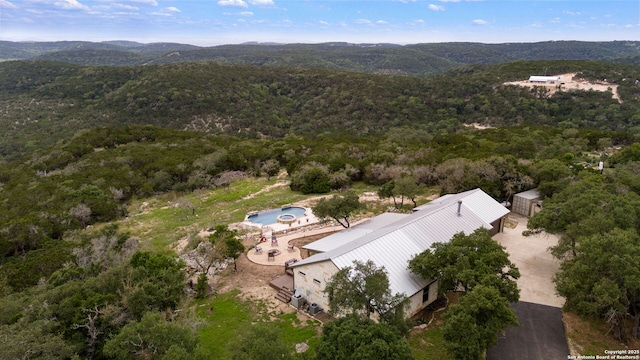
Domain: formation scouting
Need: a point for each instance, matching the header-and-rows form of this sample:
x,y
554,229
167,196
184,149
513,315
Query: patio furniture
x,y
291,246
271,255
258,250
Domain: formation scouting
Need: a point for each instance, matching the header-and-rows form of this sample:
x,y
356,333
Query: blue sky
x,y
215,22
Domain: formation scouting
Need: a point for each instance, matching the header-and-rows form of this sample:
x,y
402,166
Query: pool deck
x,y
301,221
283,246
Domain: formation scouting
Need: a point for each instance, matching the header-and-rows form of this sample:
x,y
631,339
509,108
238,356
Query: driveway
x,y
536,264
541,334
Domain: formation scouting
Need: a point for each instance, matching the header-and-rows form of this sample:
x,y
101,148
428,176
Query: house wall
x,y
311,279
496,227
416,301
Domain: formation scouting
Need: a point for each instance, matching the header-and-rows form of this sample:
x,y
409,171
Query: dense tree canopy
x,y
589,206
468,261
472,325
354,337
603,279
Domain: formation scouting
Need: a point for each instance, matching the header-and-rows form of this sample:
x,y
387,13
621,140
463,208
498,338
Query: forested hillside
x,y
81,144
415,60
43,102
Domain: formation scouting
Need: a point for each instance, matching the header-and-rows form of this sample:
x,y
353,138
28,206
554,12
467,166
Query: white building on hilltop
x,y
391,240
544,79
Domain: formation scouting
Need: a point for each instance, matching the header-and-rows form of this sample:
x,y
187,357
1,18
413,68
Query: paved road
x,y
540,335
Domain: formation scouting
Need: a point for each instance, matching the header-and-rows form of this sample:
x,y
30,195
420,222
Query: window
x,y
317,281
301,273
425,294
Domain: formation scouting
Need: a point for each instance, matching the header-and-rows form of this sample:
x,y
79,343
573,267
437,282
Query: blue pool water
x,y
269,217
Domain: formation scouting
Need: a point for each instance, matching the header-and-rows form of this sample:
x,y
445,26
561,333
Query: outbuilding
x,y
527,202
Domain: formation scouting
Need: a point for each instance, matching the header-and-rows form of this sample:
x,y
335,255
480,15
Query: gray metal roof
x,y
532,194
340,238
479,202
394,245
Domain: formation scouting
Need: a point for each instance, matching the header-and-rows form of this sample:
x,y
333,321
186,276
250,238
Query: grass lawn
x,y
429,345
226,316
162,220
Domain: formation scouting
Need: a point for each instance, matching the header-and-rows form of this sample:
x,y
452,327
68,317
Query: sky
x,y
217,22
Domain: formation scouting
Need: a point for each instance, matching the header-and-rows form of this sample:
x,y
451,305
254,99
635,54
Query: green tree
x,y
311,179
468,261
603,279
552,176
363,289
408,187
233,249
155,282
151,338
589,206
270,167
353,337
338,207
473,324
387,191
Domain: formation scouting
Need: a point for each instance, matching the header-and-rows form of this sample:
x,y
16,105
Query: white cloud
x,y
7,4
381,22
322,22
172,9
448,1
572,13
71,5
236,3
147,2
124,7
435,7
262,2
536,24
363,21
480,22
556,20
245,13
159,13
406,1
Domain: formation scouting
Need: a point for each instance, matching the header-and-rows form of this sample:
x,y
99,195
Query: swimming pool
x,y
269,217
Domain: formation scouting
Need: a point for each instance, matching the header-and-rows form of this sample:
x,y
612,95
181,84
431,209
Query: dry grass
x,y
589,336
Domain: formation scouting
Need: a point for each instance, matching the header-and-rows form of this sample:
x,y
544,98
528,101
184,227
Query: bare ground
x,y
569,82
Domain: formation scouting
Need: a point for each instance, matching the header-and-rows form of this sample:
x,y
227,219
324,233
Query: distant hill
x,y
413,60
43,102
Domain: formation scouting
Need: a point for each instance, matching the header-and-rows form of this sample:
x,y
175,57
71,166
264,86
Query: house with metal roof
x,y
391,240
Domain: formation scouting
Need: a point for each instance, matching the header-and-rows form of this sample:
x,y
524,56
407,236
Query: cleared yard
x,y
536,264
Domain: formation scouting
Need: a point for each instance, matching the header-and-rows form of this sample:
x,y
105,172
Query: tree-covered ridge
x,y
56,99
414,60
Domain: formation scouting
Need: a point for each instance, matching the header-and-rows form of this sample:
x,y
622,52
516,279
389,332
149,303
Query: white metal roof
x,y
532,194
394,245
340,238
479,202
543,78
